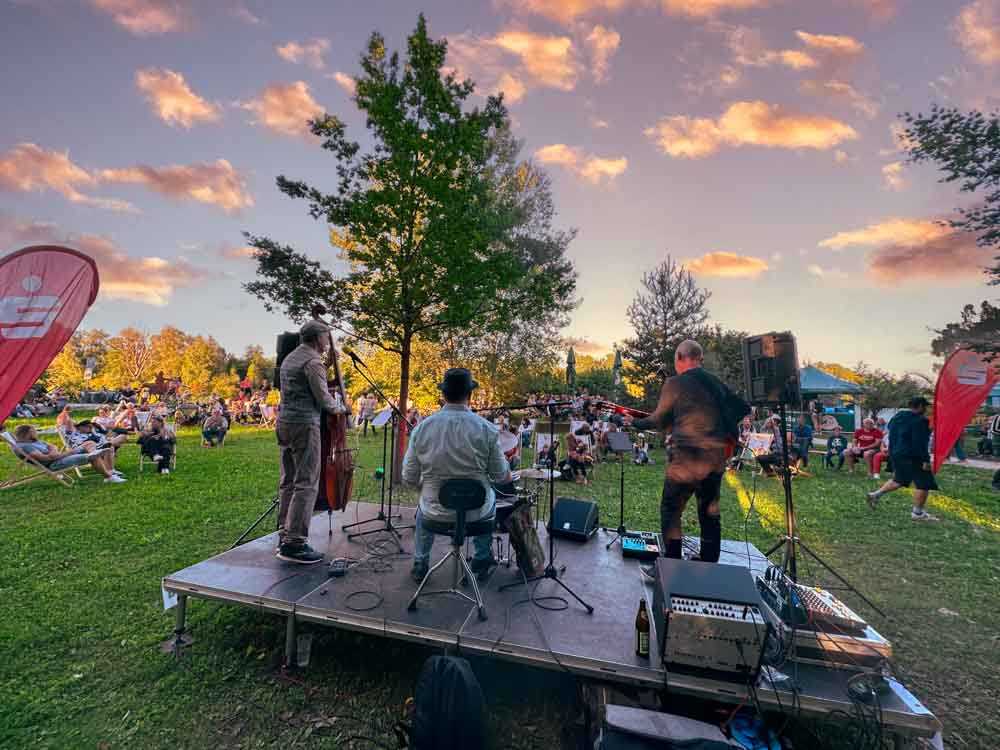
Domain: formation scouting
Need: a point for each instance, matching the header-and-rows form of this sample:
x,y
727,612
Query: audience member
x,y
865,445
882,454
214,428
28,443
803,435
157,442
836,444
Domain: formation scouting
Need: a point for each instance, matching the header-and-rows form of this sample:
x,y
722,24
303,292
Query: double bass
x,y
336,479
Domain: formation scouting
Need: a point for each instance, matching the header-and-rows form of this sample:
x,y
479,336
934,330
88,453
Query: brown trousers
x,y
299,484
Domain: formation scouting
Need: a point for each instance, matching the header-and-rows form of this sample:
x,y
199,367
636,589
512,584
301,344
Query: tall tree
x,y
669,308
883,390
66,370
129,359
203,360
965,146
421,223
724,355
978,329
169,346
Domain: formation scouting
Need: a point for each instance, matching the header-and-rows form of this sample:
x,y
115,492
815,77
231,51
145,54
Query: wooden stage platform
x,y
372,598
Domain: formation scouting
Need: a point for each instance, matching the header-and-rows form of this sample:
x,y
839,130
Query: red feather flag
x,y
963,385
45,291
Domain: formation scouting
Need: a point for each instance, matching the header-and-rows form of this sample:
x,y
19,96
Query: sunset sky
x,y
751,139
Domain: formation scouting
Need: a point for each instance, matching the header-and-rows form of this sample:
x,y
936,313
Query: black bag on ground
x,y
448,707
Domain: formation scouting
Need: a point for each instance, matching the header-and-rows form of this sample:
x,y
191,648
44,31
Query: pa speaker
x,y
287,342
771,369
574,519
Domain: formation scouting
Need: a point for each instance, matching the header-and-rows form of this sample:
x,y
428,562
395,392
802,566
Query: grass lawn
x,y
83,617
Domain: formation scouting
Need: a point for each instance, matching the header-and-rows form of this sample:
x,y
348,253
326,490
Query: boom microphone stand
x,y
397,418
551,572
381,505
790,539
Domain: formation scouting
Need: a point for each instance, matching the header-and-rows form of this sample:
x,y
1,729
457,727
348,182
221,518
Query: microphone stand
x,y
625,446
397,417
551,572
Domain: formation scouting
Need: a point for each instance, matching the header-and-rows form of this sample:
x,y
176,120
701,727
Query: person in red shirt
x,y
865,445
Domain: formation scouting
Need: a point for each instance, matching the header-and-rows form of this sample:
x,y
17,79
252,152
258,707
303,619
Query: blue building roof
x,y
814,380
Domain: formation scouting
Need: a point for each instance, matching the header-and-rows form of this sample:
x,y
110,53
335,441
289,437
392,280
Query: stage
x,y
372,598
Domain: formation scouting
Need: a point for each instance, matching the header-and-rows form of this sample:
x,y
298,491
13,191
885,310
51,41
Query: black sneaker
x,y
483,568
299,553
419,571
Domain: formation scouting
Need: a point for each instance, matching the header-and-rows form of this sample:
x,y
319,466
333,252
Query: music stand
x,y
382,419
620,443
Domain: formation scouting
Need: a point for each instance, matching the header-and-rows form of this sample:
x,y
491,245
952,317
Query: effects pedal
x,y
643,545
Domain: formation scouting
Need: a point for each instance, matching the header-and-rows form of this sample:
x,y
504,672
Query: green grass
x,y
82,612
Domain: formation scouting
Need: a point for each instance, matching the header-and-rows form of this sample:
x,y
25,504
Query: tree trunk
x,y
402,432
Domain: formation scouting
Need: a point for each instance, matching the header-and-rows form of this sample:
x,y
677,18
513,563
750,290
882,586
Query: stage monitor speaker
x,y
771,369
574,519
287,342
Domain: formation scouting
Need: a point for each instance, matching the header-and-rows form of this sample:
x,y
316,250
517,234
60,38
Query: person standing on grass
x,y
909,437
305,396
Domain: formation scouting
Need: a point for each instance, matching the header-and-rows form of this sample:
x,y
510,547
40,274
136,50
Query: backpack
x,y
448,707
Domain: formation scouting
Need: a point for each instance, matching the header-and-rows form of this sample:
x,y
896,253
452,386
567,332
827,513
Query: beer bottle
x,y
642,631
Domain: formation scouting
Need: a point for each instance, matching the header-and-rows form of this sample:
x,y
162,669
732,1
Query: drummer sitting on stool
x,y
453,443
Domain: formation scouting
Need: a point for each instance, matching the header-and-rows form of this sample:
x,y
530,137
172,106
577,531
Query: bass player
x,y
304,398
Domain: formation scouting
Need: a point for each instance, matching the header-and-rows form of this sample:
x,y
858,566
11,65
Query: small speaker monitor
x,y
574,519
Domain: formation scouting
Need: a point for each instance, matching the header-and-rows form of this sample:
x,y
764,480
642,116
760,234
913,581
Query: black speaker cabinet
x,y
771,369
287,342
574,519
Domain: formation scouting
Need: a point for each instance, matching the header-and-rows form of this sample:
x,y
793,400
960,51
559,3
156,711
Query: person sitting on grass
x,y
578,458
214,429
803,434
836,444
28,443
865,445
773,461
127,421
641,450
157,442
64,421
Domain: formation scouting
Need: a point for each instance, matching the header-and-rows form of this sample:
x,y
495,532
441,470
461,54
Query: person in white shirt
x,y
453,443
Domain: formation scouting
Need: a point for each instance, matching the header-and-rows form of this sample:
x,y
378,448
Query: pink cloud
x,y
172,99
344,81
308,53
285,108
150,280
216,183
28,167
145,17
602,43
727,265
593,169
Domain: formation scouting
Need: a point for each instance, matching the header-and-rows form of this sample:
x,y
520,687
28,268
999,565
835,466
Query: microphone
x,y
350,353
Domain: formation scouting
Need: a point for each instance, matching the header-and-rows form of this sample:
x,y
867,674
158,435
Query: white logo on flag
x,y
28,317
972,373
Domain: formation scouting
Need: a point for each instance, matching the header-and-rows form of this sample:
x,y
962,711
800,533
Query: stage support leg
x,y
177,642
181,620
290,640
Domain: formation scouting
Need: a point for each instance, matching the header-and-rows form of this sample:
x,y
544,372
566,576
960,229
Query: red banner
x,y
45,291
963,385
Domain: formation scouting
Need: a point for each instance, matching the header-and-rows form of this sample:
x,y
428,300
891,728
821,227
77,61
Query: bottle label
x,y
643,644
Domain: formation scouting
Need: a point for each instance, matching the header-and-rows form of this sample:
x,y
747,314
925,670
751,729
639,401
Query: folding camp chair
x,y
268,415
37,470
143,458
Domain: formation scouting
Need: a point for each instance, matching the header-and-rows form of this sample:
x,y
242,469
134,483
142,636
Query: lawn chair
x,y
757,444
66,446
37,470
268,415
143,458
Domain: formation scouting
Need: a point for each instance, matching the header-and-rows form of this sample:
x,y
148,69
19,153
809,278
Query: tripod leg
x,y
255,524
840,578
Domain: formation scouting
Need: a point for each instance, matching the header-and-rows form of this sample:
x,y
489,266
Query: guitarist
x,y
702,415
304,398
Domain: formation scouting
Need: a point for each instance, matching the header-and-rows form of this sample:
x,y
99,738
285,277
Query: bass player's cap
x,y
312,329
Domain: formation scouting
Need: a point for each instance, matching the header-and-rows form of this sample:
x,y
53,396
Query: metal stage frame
x,y
598,646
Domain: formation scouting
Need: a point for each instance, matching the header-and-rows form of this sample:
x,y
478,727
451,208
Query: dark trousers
x,y
828,459
675,497
364,425
153,445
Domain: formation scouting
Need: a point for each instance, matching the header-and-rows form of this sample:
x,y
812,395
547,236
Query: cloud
x,y
172,99
308,53
910,232
892,176
977,29
727,265
597,122
242,12
825,273
749,49
832,44
593,169
344,81
145,17
512,62
568,11
915,250
150,279
28,167
709,8
215,183
755,123
232,252
841,157
285,108
842,91
602,44
583,345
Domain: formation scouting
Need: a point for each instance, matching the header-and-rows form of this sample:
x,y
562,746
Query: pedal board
x,y
644,545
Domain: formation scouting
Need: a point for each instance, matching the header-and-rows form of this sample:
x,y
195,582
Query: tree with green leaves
x,y
978,329
724,355
965,146
424,224
883,390
669,308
